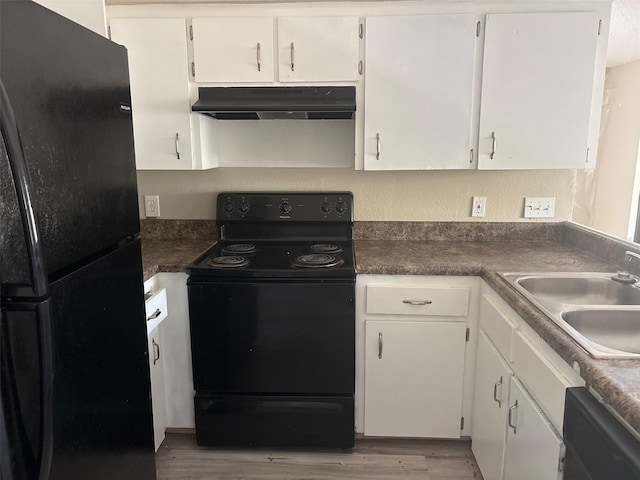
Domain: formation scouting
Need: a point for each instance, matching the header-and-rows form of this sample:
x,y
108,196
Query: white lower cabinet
x,y
490,409
413,378
158,400
415,348
518,401
534,449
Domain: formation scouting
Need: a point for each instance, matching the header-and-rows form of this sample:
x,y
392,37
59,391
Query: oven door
x,y
273,337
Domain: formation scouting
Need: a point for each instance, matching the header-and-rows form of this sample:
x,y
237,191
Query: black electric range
x,y
272,318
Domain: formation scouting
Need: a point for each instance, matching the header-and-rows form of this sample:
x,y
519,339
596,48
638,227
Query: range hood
x,y
262,103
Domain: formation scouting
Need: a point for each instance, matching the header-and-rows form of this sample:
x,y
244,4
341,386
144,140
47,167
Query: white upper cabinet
x,y
318,49
238,49
537,88
418,92
159,75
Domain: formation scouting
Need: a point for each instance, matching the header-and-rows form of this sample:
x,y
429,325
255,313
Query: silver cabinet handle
x,y
178,146
292,57
417,302
380,345
513,408
377,146
258,55
155,314
495,392
494,143
156,351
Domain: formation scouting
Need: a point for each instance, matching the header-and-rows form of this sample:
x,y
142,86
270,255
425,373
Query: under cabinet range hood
x,y
276,103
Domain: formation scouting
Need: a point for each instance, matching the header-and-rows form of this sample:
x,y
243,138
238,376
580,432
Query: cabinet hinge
x,y
461,423
467,334
109,32
193,69
471,156
361,30
587,158
360,67
561,464
478,29
599,26
191,32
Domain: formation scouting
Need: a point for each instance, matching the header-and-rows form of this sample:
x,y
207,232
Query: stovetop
x,y
277,259
281,235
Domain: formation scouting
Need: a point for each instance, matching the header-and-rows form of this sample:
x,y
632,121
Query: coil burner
x,y
317,260
240,249
228,262
326,248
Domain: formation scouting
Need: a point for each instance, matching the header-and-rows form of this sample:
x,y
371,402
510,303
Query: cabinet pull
x,y
292,57
513,408
156,351
155,314
495,392
494,143
380,345
377,146
258,55
417,302
178,146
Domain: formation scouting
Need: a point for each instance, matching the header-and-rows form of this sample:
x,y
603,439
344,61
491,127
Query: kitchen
x,y
379,196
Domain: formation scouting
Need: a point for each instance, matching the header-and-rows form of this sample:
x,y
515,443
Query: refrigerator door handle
x,y
37,266
22,181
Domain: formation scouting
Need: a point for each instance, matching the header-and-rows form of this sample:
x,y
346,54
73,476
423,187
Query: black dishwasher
x,y
598,446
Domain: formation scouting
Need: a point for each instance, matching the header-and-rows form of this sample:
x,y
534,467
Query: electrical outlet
x,y
478,206
152,206
539,207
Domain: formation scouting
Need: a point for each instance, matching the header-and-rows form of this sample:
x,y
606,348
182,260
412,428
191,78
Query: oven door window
x,y
273,337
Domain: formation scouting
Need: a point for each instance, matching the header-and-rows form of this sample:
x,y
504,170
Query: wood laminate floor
x,y
371,459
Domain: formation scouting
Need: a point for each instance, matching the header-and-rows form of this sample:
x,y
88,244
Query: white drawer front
x,y
156,309
404,300
541,379
497,326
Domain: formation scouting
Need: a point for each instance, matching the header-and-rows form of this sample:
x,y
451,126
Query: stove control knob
x,y
285,208
228,206
341,207
243,207
325,207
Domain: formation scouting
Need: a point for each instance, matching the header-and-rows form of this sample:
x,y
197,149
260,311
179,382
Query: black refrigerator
x,y
74,371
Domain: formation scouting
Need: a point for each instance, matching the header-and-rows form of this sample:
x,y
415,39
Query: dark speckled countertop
x,y
617,381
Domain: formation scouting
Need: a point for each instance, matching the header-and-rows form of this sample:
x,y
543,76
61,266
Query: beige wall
x,y
605,197
409,196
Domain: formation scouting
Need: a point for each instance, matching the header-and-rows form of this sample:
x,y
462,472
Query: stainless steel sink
x,y
615,329
600,314
581,290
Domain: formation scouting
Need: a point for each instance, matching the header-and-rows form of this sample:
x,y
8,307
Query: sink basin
x,y
616,329
574,290
601,315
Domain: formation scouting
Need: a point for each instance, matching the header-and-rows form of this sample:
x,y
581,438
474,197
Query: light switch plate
x,y
539,207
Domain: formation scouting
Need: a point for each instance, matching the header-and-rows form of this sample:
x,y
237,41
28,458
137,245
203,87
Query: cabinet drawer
x,y
403,300
156,308
541,378
496,325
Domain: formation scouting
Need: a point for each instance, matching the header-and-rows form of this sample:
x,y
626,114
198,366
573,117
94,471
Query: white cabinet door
x,y
157,387
534,449
413,378
233,49
158,69
490,406
537,88
318,49
418,92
